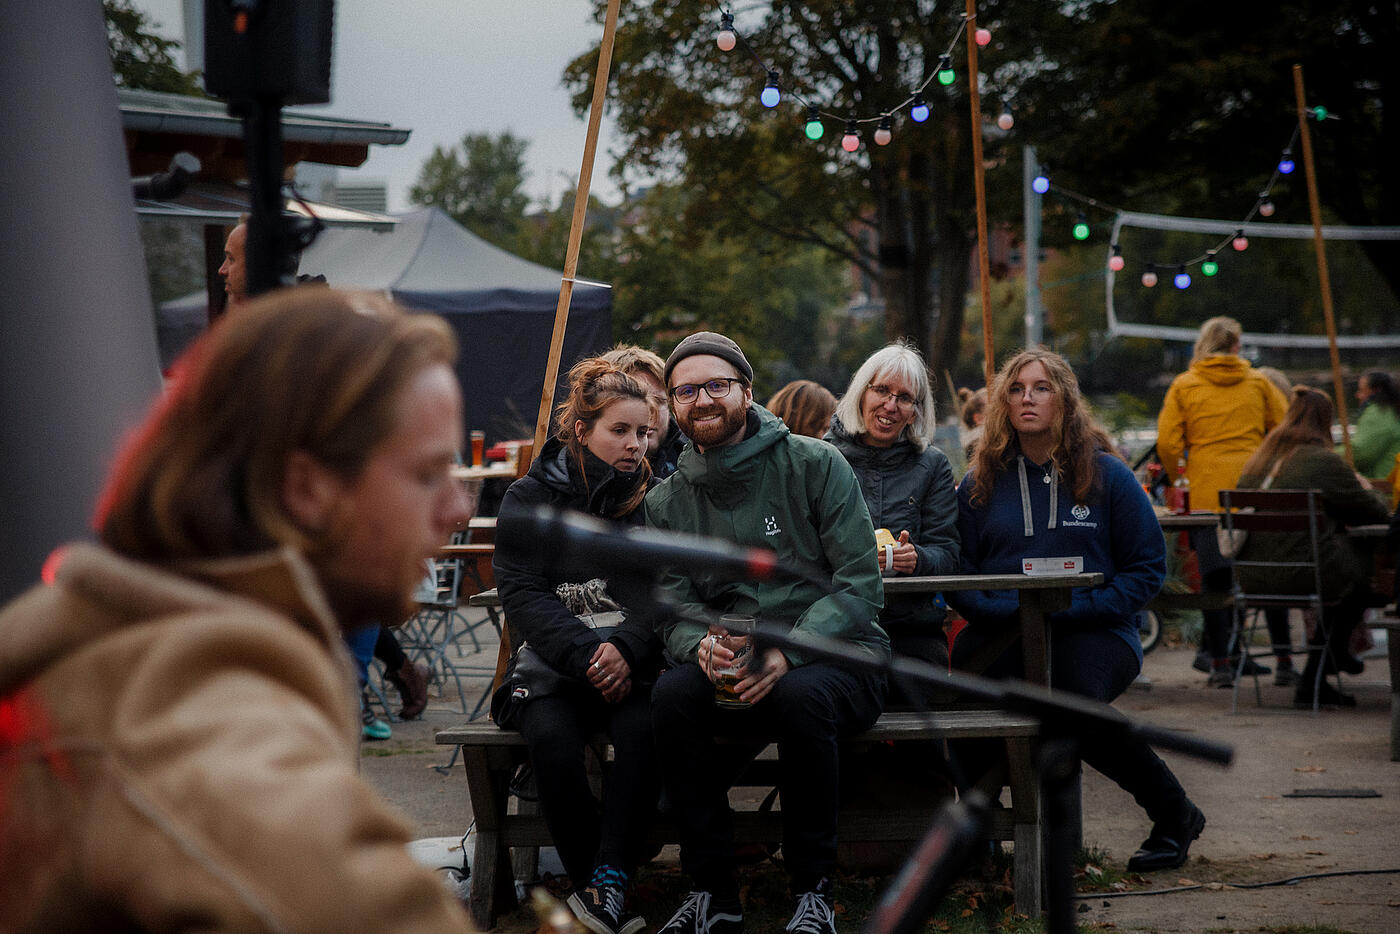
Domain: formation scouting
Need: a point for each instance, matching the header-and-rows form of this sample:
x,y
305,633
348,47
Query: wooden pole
x,y
585,182
979,186
1324,280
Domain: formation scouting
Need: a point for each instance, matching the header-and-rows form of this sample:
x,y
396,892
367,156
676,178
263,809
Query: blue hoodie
x,y
1116,533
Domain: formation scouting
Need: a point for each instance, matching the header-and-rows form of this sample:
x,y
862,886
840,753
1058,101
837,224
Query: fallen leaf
x,y
1185,882
1264,855
1093,870
966,913
1351,833
1303,836
1309,768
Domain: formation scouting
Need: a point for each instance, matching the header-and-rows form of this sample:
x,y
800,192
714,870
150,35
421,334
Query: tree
x,y
480,187
902,213
140,58
1175,108
1183,107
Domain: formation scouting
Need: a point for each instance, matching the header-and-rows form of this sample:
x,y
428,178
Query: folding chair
x,y
1260,513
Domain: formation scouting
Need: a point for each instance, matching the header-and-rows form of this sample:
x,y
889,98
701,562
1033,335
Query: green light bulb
x,y
946,75
814,129
1319,113
1210,267
1081,230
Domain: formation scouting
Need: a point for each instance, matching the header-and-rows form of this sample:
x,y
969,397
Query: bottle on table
x,y
1181,489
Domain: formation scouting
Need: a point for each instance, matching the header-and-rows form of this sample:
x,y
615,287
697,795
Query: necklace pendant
x,y
1045,479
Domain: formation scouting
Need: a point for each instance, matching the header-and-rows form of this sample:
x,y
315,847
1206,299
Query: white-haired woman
x,y
883,426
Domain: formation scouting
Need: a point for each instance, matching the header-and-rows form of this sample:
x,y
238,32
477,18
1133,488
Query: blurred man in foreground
x,y
178,728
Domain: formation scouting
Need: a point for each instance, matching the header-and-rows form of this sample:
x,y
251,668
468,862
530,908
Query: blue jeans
x,y
805,713
1093,663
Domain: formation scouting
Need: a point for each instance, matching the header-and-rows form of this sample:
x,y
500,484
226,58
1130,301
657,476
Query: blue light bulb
x,y
919,112
1286,164
771,94
1040,184
1182,280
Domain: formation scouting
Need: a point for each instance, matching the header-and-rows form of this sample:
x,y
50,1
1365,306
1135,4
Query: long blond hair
x,y
1077,437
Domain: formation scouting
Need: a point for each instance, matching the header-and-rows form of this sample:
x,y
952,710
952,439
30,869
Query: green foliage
x,y
902,213
674,274
478,185
140,58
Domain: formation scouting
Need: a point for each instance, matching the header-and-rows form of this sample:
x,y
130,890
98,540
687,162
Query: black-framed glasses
x,y
885,393
716,388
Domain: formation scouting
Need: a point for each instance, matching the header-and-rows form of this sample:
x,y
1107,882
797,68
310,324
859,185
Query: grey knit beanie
x,y
708,342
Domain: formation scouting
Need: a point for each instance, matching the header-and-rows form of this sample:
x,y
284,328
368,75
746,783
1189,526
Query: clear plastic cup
x,y
734,635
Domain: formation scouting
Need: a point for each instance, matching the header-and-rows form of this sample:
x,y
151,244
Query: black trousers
x,y
589,833
808,709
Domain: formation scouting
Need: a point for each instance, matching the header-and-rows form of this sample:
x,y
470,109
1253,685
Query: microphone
x,y
574,542
168,184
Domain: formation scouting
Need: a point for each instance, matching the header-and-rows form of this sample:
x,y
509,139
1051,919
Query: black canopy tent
x,y
501,306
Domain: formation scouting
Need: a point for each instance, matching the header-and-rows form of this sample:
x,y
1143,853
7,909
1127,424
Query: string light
x,y
946,75
813,127
919,112
1210,266
983,37
882,133
771,94
851,141
1006,121
726,38
1319,113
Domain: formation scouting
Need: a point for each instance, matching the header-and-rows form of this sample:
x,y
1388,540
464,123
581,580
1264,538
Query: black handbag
x,y
528,675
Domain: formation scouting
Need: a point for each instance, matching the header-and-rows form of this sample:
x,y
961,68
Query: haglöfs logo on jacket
x,y
770,526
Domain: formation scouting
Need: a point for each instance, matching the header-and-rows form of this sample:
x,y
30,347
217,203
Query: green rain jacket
x,y
794,494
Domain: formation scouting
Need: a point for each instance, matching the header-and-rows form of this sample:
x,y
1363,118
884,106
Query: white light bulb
x,y
1006,121
725,40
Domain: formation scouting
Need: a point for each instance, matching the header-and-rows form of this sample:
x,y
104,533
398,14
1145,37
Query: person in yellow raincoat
x,y
1215,415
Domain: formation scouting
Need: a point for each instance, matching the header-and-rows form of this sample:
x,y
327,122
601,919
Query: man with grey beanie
x,y
746,478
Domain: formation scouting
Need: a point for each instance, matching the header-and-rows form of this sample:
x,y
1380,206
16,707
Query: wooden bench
x,y
490,756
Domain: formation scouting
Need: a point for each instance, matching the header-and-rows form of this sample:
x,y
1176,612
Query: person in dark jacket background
x,y
1300,450
1045,483
883,426
599,680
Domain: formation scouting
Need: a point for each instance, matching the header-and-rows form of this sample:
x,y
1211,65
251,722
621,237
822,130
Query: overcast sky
x,y
443,68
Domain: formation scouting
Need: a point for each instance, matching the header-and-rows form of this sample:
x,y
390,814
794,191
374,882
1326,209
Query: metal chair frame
x,y
1261,512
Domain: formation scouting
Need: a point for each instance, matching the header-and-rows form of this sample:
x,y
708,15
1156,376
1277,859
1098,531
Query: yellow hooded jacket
x,y
1216,414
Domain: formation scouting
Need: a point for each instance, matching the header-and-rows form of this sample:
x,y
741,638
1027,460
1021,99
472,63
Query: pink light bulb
x,y
1240,243
982,36
1115,263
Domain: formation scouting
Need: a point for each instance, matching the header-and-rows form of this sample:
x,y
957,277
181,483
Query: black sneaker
x,y
815,913
1328,698
697,915
600,909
